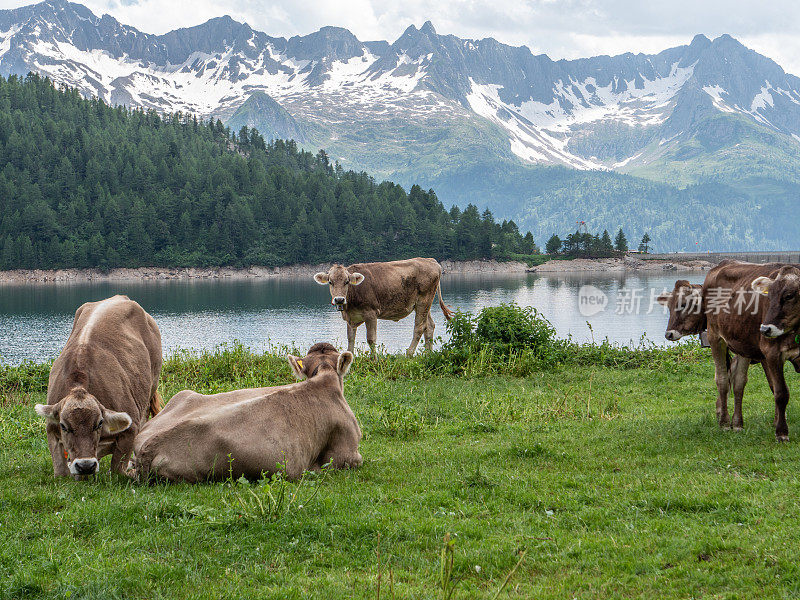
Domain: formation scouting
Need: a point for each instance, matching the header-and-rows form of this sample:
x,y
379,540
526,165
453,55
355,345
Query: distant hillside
x,y
709,127
86,185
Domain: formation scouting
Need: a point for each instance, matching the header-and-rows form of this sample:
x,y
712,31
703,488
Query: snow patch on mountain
x,y
527,142
541,132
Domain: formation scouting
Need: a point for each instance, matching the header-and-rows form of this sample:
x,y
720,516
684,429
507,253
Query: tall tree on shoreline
x,y
620,241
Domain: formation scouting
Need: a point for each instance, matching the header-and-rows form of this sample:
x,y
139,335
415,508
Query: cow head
x,y
81,420
338,279
320,358
686,314
783,295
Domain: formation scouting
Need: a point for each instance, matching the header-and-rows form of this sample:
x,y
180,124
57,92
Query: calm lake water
x,y
35,319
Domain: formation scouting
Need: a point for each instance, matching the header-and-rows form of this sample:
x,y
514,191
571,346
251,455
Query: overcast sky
x,y
559,28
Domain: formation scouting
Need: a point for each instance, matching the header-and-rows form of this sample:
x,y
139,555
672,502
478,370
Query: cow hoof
x,y
738,428
782,438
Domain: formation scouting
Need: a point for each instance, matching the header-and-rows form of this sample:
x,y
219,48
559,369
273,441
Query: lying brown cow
x,y
736,317
102,386
366,292
251,432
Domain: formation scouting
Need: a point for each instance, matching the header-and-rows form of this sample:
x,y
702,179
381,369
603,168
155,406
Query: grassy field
x,y
576,481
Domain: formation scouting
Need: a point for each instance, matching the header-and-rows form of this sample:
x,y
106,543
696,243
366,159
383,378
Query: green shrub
x,y
499,330
507,328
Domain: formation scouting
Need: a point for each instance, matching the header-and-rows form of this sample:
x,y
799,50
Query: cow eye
x,y
99,425
63,427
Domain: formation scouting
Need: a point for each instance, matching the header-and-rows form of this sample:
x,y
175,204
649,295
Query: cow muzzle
x,y
83,466
672,335
771,331
339,302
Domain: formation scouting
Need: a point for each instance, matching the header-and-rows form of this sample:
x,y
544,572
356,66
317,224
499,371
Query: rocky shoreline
x,y
620,265
231,273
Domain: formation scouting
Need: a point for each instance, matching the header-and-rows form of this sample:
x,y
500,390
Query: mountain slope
x,y
273,121
455,113
87,185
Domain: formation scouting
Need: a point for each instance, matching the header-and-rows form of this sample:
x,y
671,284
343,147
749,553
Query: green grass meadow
x,y
574,481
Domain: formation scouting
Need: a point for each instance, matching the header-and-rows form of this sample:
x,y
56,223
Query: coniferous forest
x,y
84,184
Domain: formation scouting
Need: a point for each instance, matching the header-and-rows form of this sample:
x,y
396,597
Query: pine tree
x,y
644,245
621,242
606,246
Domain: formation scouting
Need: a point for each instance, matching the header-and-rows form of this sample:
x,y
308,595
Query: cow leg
x,y
372,334
739,369
420,326
774,371
60,468
351,335
123,449
429,333
719,352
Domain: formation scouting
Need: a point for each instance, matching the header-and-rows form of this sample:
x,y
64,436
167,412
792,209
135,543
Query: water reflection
x,y
36,319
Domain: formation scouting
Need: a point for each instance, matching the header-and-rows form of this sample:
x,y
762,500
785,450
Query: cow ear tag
x,y
300,362
66,456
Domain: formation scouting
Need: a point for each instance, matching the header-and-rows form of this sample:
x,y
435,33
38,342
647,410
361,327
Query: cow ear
x,y
48,411
356,278
663,299
296,365
344,362
115,422
321,278
761,285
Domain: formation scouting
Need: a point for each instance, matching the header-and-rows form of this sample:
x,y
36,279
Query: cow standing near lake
x,y
366,292
251,432
745,316
102,386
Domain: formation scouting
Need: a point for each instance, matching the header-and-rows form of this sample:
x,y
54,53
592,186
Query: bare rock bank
x,y
230,273
620,265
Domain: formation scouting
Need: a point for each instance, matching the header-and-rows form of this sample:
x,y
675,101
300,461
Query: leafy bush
x,y
508,327
502,330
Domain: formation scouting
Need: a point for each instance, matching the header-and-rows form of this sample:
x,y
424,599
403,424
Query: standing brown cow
x,y
739,320
366,292
102,386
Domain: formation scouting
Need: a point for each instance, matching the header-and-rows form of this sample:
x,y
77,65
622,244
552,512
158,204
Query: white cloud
x,y
560,28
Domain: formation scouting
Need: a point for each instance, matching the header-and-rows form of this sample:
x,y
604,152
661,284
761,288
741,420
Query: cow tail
x,y
155,404
448,314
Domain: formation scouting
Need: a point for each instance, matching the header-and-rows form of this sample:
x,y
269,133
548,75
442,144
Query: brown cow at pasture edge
x,y
251,432
751,310
102,386
366,292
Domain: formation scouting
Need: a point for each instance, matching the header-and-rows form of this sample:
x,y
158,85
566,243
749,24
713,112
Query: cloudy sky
x,y
559,28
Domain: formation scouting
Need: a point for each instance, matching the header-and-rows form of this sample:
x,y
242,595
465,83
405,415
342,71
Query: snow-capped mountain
x,y
600,112
714,124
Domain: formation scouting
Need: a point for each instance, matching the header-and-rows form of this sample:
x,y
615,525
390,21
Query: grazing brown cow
x,y
294,428
102,386
736,316
366,292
